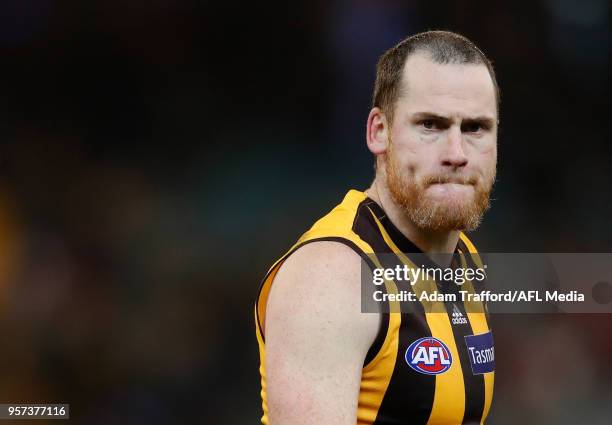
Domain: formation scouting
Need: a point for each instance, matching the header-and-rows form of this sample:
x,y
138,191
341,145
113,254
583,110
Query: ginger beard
x,y
448,214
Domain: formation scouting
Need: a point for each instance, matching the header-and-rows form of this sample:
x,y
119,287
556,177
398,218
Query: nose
x,y
453,154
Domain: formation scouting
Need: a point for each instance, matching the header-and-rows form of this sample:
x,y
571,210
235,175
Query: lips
x,y
452,187
440,181
463,183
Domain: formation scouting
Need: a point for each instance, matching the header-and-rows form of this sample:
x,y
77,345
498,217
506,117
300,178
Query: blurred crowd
x,y
157,157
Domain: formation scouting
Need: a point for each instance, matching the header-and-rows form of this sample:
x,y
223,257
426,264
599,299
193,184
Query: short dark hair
x,y
443,47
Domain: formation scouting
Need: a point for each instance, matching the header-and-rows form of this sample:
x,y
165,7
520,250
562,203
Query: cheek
x,y
487,163
415,155
486,155
491,156
405,138
488,146
404,164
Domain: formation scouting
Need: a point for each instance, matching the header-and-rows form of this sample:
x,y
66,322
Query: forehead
x,y
449,89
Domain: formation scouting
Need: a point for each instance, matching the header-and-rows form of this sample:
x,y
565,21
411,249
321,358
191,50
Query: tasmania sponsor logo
x,y
458,318
429,356
481,352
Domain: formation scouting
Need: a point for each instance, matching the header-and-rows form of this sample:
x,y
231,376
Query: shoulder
x,y
317,291
324,260
320,274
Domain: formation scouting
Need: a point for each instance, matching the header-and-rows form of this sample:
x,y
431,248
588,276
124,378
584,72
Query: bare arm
x,y
316,337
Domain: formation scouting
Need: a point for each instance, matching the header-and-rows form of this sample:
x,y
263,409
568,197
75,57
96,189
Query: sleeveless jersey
x,y
393,390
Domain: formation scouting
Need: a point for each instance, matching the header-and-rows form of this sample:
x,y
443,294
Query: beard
x,y
410,193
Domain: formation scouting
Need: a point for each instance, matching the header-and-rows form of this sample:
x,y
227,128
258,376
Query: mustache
x,y
442,179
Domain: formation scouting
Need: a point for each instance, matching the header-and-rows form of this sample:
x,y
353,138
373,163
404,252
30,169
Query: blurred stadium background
x,y
156,157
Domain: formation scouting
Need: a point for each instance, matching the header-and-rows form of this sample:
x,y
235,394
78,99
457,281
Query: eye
x,y
428,124
471,127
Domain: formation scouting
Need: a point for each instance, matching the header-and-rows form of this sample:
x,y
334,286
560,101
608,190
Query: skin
x,y
316,336
445,124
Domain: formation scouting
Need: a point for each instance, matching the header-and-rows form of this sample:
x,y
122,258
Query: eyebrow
x,y
483,120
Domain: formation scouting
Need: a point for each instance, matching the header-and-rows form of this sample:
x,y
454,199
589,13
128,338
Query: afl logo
x,y
429,356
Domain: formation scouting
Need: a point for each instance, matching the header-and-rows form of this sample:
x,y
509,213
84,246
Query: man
x,y
433,131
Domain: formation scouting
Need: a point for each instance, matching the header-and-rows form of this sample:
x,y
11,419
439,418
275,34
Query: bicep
x,y
316,337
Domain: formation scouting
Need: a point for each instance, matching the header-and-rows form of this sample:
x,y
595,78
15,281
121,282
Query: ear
x,y
377,132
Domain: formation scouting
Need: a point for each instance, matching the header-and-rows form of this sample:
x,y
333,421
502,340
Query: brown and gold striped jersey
x,y
394,389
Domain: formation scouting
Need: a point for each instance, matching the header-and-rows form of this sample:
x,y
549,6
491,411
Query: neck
x,y
430,242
